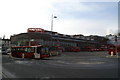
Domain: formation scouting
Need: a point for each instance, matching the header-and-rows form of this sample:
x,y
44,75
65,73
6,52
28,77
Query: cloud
x,y
86,18
74,17
88,10
62,1
85,27
68,7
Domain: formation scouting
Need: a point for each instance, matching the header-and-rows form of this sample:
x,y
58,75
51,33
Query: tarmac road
x,y
67,65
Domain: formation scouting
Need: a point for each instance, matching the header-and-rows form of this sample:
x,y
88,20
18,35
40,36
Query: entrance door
x,y
36,54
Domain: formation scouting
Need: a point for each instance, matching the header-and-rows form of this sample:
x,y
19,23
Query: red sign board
x,y
35,30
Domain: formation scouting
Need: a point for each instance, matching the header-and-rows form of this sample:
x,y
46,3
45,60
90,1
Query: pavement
x,y
67,65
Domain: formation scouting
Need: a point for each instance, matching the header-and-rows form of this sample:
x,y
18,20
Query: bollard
x,y
23,55
111,53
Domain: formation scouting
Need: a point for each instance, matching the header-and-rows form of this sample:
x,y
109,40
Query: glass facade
x,y
27,42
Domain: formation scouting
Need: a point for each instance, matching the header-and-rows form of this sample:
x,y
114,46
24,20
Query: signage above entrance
x,y
35,30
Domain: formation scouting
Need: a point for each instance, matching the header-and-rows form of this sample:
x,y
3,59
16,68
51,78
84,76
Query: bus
x,y
55,50
87,48
113,49
72,49
39,51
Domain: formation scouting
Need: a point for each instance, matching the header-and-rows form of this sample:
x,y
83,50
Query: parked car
x,y
8,51
4,52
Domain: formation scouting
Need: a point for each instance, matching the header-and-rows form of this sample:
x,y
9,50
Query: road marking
x,y
7,74
24,62
63,62
112,56
4,75
46,77
90,62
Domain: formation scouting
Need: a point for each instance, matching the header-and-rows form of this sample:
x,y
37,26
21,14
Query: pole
x,y
51,23
51,29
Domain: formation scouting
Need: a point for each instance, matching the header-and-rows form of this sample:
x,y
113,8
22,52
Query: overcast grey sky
x,y
96,17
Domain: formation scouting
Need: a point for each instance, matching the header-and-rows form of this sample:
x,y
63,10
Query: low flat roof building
x,y
38,36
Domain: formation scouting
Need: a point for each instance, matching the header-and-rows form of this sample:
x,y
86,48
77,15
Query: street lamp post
x,y
52,22
52,25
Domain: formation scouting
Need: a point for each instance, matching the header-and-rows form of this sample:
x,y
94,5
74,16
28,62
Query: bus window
x,y
26,49
32,49
44,50
38,50
112,47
